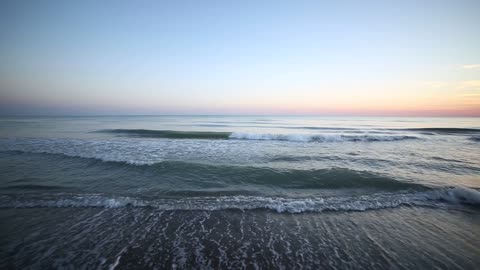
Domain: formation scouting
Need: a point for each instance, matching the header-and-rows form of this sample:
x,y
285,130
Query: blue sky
x,y
242,57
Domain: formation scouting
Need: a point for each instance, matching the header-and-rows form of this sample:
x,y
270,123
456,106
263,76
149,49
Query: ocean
x,y
239,192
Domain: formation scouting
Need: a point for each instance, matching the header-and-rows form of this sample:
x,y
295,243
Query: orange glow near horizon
x,y
415,99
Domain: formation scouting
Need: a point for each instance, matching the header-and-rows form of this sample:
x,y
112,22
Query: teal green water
x,y
224,191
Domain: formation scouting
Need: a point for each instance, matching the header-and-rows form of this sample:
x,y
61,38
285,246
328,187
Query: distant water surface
x,y
239,192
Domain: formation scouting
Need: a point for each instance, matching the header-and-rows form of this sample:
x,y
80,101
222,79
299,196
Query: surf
x,y
179,177
214,135
433,198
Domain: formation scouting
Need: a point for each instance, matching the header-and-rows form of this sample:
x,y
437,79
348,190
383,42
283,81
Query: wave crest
x,y
319,137
457,195
445,130
212,135
168,134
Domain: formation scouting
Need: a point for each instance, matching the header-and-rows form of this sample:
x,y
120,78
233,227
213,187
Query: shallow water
x,y
239,191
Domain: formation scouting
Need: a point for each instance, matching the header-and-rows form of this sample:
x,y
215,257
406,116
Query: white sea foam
x,y
281,205
457,195
318,137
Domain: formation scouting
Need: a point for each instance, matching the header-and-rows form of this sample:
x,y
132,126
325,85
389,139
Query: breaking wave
x,y
457,195
171,134
320,137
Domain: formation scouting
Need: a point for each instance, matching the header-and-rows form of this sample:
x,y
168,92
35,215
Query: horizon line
x,y
304,115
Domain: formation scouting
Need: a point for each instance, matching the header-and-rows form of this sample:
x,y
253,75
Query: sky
x,y
379,58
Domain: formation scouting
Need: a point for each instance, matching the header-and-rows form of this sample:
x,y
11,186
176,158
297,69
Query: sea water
x,y
239,192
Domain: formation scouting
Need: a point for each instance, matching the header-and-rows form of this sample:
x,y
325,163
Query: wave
x,y
332,178
444,130
475,138
447,159
171,134
224,178
457,195
320,137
